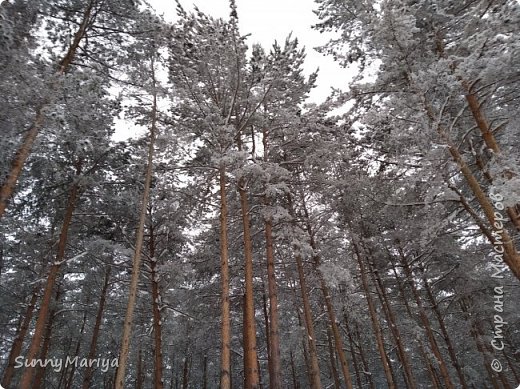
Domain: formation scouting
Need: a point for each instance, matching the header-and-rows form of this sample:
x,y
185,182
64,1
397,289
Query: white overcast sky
x,y
271,20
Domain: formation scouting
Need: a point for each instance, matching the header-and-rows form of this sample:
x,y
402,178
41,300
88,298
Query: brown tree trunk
x,y
24,150
40,370
352,351
296,384
366,366
426,322
16,348
251,374
373,317
156,312
275,381
186,372
332,359
444,331
392,324
136,260
205,372
225,356
404,299
32,352
476,335
314,370
139,379
95,332
70,378
338,342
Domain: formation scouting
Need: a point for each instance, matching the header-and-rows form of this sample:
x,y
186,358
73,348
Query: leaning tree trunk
x,y
95,332
156,314
444,331
385,360
314,368
394,329
338,342
40,370
45,304
16,348
425,321
136,267
18,162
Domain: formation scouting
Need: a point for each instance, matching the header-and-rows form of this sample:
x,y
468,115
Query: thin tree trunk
x,y
476,335
95,332
314,370
186,372
366,367
296,384
429,366
136,267
444,331
332,359
275,381
373,317
352,351
305,352
18,162
16,348
225,356
251,377
156,312
32,352
139,384
70,379
338,342
426,322
205,372
394,329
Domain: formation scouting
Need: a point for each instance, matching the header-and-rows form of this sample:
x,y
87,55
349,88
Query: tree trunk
x,y
156,312
70,378
444,331
34,347
296,384
251,377
95,332
352,351
136,267
314,370
205,372
422,351
477,337
338,342
425,322
373,317
394,329
24,150
16,348
186,372
225,356
366,367
275,381
139,379
332,359
40,370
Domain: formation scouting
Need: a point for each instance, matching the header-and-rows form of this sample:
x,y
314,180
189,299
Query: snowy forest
x,y
246,236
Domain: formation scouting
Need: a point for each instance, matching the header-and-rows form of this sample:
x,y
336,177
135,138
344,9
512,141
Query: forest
x,y
246,236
